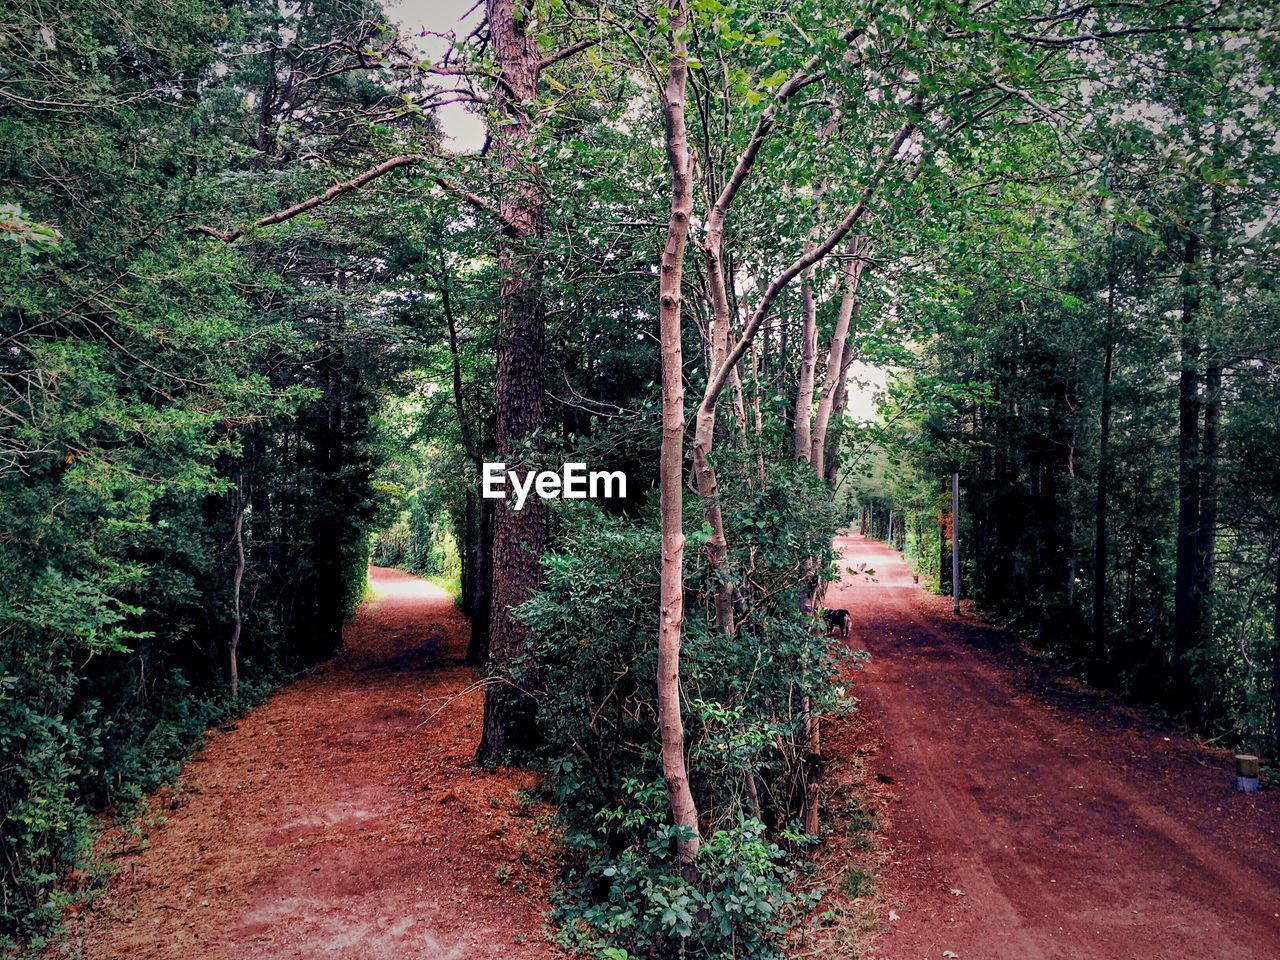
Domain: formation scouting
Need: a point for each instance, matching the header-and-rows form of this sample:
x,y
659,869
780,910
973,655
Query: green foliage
x,y
1081,306
421,537
596,627
638,904
150,372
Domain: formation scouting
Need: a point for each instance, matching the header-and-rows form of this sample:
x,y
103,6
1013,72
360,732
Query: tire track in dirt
x,y
342,818
1071,826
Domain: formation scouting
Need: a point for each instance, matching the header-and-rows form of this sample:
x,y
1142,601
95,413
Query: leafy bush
x,y
595,621
638,904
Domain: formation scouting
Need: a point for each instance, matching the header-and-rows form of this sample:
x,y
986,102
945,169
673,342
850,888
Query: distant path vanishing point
x,y
342,818
1028,818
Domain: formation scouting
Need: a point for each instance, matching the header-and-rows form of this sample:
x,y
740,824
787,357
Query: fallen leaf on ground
x,y
893,915
957,892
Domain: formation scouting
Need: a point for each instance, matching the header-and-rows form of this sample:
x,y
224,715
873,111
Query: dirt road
x,y
341,818
1027,818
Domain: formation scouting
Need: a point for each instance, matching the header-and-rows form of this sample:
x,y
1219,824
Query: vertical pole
x,y
889,537
955,543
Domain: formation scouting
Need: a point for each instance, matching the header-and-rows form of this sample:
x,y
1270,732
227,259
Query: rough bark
x,y
671,457
519,537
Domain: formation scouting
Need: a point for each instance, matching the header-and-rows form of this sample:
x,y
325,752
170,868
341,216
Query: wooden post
x,y
1246,772
955,543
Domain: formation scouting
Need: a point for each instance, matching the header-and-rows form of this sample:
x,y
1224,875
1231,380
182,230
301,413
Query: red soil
x,y
342,818
1025,817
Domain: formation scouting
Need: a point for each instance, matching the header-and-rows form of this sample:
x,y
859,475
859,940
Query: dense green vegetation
x,y
171,403
261,323
1104,378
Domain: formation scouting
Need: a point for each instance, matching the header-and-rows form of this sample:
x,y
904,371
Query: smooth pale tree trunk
x,y
757,417
519,537
675,773
802,438
832,441
837,362
237,580
705,426
803,434
721,374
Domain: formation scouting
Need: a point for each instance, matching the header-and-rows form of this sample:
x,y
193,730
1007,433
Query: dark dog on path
x,y
837,621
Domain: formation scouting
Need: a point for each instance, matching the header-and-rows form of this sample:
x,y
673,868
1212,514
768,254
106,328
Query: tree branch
x,y
798,266
319,199
347,186
565,53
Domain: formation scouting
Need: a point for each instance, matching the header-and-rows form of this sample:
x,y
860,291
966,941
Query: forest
x,y
266,316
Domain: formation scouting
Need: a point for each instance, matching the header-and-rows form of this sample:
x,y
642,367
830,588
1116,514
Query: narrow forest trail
x,y
342,818
1027,818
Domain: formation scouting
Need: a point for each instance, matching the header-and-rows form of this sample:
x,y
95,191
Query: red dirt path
x,y
341,818
1027,818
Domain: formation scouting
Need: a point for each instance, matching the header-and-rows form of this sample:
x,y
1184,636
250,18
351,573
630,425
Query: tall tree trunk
x,y
1069,536
519,536
478,644
479,570
955,543
1206,550
671,456
705,423
1186,604
237,580
329,451
803,433
833,439
467,545
1104,481
837,361
1275,670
